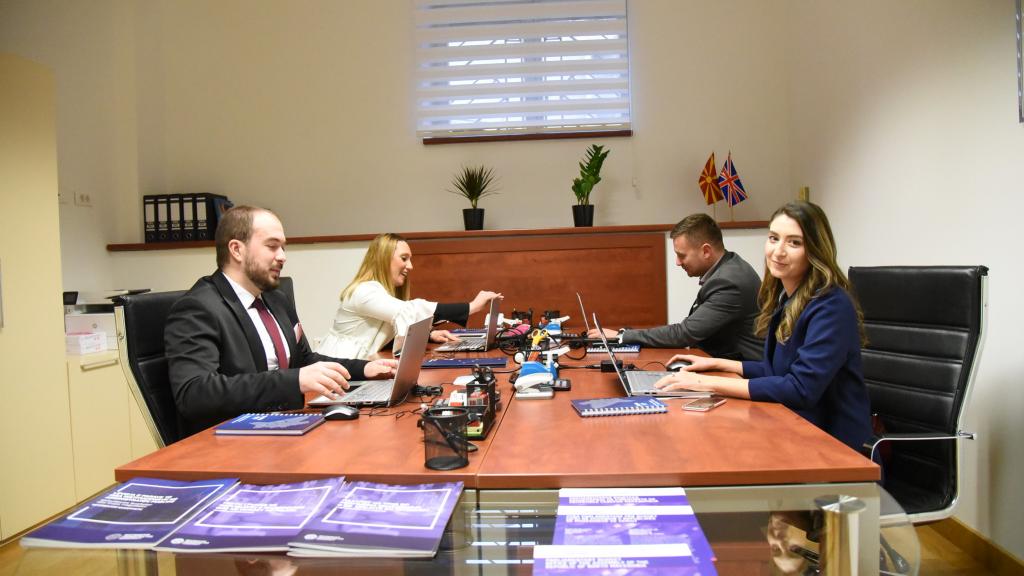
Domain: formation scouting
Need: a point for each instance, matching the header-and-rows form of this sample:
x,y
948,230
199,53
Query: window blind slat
x,y
489,65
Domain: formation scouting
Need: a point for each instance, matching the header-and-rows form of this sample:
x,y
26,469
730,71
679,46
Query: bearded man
x,y
234,343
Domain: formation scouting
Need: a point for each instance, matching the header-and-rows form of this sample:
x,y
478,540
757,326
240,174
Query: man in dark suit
x,y
721,320
234,343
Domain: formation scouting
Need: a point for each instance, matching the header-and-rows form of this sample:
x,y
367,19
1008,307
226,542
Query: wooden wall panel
x,y
621,277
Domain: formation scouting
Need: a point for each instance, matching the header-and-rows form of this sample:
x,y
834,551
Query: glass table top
x,y
752,530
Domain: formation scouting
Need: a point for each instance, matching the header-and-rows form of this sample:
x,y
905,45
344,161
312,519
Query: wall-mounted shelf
x,y
447,235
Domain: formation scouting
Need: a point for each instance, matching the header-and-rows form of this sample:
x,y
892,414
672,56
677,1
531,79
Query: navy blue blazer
x,y
817,372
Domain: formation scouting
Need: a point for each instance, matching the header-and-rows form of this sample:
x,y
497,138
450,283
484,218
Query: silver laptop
x,y
583,313
393,391
477,343
641,383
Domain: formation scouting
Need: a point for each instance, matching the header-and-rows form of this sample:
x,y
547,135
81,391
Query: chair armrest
x,y
960,434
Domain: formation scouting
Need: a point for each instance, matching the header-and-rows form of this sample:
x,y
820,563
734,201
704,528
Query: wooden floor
x,y
938,558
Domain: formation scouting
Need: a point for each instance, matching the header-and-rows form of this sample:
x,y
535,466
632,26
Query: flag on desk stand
x,y
708,183
731,186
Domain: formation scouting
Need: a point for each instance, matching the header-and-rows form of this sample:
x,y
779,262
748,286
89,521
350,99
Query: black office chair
x,y
140,323
925,328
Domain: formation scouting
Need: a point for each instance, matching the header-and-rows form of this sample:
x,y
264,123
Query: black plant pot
x,y
473,218
583,215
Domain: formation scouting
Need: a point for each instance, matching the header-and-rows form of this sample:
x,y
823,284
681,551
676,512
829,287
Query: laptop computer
x,y
641,382
389,392
477,343
599,345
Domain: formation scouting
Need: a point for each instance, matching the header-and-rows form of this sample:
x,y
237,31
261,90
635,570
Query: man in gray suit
x,y
721,320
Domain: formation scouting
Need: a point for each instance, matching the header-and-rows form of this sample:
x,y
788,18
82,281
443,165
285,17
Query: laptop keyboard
x,y
466,344
371,391
643,382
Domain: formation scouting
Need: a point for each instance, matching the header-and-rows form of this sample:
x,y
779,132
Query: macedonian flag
x,y
709,182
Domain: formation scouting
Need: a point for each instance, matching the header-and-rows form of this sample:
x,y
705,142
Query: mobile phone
x,y
704,404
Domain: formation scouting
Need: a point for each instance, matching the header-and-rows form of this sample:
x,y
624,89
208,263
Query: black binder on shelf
x,y
208,210
188,217
149,217
182,217
163,222
174,212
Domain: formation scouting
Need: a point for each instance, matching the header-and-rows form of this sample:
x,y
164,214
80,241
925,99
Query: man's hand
x,y
608,333
384,368
442,336
327,378
483,298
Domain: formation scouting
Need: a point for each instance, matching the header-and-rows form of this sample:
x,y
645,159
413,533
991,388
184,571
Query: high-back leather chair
x,y
925,329
140,323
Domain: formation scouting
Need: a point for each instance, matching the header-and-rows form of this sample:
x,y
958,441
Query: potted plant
x,y
590,175
473,183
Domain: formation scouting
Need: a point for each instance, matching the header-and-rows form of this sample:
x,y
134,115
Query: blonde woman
x,y
376,307
813,333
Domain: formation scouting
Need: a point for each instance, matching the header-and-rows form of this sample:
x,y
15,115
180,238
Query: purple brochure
x,y
635,560
136,514
253,518
368,519
631,516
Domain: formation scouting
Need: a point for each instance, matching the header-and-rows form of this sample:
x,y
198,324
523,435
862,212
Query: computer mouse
x,y
341,412
678,365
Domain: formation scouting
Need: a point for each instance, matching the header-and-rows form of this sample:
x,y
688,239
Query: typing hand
x,y
327,378
483,298
384,368
608,333
681,381
697,363
443,336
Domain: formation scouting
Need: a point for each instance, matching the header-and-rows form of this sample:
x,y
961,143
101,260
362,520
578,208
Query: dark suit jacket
x,y
721,321
217,364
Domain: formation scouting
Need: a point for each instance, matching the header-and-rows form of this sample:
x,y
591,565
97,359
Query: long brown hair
x,y
823,274
377,266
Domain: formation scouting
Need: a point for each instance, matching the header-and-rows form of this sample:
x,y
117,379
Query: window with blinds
x,y
518,67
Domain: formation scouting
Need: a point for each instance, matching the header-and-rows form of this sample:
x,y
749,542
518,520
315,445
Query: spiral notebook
x,y
619,406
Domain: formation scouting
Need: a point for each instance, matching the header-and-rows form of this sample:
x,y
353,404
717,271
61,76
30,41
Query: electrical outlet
x,y
83,199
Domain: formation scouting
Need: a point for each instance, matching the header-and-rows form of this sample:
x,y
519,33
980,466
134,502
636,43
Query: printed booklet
x,y
652,530
136,514
273,423
365,519
253,518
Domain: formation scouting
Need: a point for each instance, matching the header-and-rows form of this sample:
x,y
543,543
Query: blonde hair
x,y
823,274
376,266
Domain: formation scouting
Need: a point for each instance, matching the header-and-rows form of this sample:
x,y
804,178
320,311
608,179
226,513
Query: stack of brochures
x,y
328,517
625,530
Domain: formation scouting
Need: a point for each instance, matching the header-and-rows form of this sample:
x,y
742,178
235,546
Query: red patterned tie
x,y
275,334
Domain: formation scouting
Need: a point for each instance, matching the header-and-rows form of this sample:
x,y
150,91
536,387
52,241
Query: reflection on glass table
x,y
752,530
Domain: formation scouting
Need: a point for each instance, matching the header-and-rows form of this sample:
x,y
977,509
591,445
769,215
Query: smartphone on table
x,y
704,404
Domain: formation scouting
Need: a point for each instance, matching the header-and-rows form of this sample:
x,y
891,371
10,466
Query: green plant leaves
x,y
590,173
473,183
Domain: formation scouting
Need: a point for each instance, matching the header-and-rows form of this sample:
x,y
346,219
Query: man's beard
x,y
261,278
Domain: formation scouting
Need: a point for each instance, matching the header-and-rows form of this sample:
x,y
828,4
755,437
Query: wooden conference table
x,y
740,463
538,444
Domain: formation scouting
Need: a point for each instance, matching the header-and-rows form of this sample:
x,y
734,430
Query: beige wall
x,y
899,115
905,128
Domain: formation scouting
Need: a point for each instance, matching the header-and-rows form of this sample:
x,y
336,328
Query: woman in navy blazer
x,y
813,333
